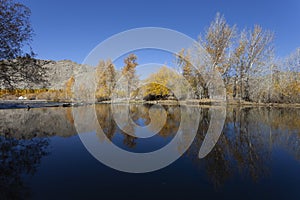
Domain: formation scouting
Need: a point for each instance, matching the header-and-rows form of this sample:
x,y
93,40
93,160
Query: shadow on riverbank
x,y
28,104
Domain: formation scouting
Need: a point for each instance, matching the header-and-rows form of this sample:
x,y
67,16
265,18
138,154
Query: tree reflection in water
x,y
139,114
17,158
244,150
247,142
244,147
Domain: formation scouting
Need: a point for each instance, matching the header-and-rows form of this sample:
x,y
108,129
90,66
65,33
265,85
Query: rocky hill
x,y
59,72
53,74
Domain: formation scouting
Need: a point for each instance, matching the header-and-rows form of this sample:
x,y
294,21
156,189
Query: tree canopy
x,y
16,63
15,29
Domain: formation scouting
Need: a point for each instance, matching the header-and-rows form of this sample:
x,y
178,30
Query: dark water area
x,y
256,156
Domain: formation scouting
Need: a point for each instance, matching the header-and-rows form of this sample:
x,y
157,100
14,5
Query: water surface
x,y
256,156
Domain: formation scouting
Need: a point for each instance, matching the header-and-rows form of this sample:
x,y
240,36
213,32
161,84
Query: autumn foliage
x,y
244,59
157,86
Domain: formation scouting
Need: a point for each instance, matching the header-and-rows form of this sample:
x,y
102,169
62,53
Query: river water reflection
x,y
256,156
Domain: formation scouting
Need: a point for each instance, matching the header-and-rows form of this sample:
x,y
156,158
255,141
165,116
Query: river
x,y
255,155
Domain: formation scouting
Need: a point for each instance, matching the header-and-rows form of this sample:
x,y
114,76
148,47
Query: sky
x,y
68,29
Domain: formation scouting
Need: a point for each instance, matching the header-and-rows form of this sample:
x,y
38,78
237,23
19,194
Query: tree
x,y
15,29
251,58
286,84
209,56
129,74
191,74
217,41
69,86
293,65
188,72
15,34
162,84
106,79
236,63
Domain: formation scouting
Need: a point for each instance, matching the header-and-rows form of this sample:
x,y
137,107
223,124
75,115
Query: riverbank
x,y
207,102
13,104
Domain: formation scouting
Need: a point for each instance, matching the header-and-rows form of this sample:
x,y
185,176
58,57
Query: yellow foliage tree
x,y
129,73
105,73
68,87
158,85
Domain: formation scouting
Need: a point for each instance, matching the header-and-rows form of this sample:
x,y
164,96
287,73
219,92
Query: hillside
x,y
42,79
55,74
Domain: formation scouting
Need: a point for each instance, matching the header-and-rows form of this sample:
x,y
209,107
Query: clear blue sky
x,y
69,29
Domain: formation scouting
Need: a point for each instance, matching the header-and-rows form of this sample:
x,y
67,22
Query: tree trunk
x,y
246,96
234,87
205,92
